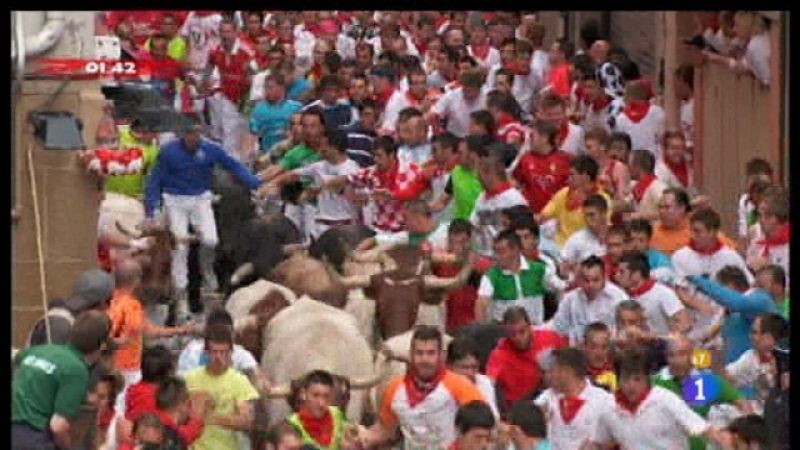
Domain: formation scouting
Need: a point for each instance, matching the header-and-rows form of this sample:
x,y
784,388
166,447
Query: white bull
x,y
243,299
309,335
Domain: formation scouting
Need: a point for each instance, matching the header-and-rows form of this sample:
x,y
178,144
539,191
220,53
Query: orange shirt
x,y
669,241
127,320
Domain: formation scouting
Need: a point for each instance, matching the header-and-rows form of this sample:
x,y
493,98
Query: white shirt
x,y
663,421
688,262
666,175
659,304
396,103
687,121
202,35
746,207
756,57
191,358
456,110
332,205
581,245
573,143
257,86
575,311
651,198
534,306
646,134
492,57
523,88
570,436
778,255
749,372
486,216
486,387
418,154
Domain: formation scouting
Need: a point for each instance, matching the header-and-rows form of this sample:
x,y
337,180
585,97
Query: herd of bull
x,y
299,308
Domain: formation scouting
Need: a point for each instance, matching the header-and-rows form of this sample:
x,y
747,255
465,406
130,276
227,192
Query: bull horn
x,y
244,322
279,391
290,249
434,282
379,376
245,270
356,281
127,232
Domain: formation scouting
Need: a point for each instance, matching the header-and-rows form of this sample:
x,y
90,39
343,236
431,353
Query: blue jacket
x,y
742,311
658,259
296,89
271,120
179,172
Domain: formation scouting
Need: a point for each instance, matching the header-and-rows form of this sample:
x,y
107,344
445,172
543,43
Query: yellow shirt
x,y
568,221
227,390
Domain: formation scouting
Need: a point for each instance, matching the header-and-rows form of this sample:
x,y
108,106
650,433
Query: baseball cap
x,y
90,290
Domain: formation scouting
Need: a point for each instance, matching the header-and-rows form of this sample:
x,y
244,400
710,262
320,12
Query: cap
x,y
92,288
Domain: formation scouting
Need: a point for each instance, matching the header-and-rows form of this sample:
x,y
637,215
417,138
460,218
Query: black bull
x,y
243,236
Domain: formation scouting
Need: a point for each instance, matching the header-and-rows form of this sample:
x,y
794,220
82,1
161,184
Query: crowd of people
x,y
630,317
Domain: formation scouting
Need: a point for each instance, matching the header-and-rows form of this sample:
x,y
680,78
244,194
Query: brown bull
x,y
398,292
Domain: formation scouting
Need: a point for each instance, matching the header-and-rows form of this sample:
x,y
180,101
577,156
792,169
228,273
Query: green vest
x,y
466,189
338,429
505,286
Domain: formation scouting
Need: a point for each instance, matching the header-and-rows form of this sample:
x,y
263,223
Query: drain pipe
x,y
48,36
20,49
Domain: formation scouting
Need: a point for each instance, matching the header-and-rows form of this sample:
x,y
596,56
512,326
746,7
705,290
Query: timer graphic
x,y
90,67
103,67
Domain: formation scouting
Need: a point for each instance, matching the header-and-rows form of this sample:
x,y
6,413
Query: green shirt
x,y
338,429
227,390
784,307
132,185
466,188
49,379
728,394
176,48
299,156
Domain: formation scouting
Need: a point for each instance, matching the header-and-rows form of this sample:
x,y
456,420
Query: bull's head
x,y
399,292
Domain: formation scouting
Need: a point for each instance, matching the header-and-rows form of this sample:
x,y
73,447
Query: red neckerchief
x,y
104,417
413,100
575,198
778,238
644,288
315,72
321,430
714,249
499,189
262,61
636,110
289,40
480,51
505,119
383,97
421,44
681,171
631,406
417,390
602,102
514,66
563,132
533,255
595,372
642,185
569,406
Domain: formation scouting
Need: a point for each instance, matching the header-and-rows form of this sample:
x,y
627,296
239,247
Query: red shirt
x,y
234,80
518,373
542,176
461,302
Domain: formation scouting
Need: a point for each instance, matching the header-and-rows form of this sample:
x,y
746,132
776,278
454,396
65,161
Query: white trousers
x,y
181,211
227,124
